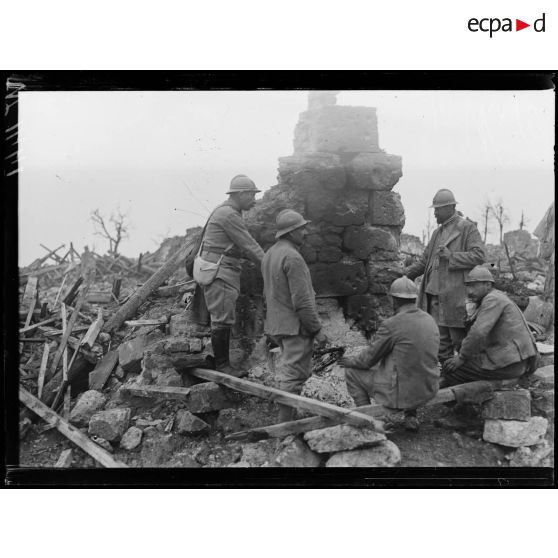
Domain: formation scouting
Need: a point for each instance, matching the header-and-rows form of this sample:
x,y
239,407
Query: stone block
x,y
293,452
187,423
313,171
368,310
341,209
515,433
110,424
130,354
385,454
87,405
374,171
511,405
207,397
131,438
329,254
545,376
385,208
367,242
542,403
337,129
341,438
381,275
178,344
169,377
343,278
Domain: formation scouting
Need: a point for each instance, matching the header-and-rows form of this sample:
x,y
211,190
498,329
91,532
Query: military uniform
x,y
400,368
291,318
498,345
442,291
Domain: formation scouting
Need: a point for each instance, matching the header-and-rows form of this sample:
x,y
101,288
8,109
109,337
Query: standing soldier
x,y
225,241
291,317
454,249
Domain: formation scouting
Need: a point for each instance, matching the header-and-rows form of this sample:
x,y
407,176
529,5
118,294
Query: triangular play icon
x,y
519,25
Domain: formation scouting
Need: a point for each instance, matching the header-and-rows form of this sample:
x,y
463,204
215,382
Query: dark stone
x,y
110,424
374,171
187,423
344,208
370,242
511,405
313,171
339,279
207,397
386,209
330,254
382,274
130,354
543,403
87,405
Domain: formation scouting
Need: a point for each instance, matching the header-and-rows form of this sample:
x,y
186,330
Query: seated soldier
x,y
499,345
400,368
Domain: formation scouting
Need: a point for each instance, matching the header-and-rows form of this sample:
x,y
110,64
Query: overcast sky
x,y
166,158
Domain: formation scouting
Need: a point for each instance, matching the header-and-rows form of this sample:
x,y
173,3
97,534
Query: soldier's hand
x,y
345,362
444,253
453,363
320,340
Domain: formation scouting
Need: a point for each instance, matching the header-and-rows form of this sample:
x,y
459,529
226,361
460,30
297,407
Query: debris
x,y
102,371
531,457
42,370
156,448
65,459
542,403
131,438
110,424
89,403
130,354
293,452
169,392
341,438
93,331
515,433
545,376
511,405
103,443
71,432
169,378
207,397
385,454
187,423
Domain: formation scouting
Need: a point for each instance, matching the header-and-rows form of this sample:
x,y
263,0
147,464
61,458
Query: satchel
x,y
204,271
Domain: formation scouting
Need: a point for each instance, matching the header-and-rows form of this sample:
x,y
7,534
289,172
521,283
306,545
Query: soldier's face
x,y
247,200
477,291
442,214
298,235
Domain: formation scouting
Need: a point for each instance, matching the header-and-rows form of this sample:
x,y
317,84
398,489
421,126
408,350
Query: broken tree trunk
x,y
71,432
129,309
349,416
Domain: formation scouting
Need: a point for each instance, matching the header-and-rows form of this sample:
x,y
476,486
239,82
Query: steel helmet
x,y
478,274
241,183
403,288
443,197
288,220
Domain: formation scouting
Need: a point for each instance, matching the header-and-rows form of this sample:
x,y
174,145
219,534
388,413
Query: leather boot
x,y
220,341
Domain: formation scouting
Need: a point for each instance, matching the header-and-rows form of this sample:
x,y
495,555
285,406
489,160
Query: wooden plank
x,y
98,297
101,373
349,416
36,326
65,459
169,392
42,370
94,330
69,298
29,300
154,322
71,432
60,290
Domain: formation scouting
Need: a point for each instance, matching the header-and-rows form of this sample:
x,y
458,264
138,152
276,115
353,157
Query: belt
x,y
219,254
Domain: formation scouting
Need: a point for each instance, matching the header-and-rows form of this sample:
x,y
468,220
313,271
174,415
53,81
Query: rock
x,y
381,275
258,453
157,448
374,171
110,424
539,312
177,344
515,433
337,129
542,403
344,278
131,438
545,376
293,452
207,397
340,209
187,423
342,437
386,454
531,457
105,444
313,171
87,405
196,345
367,242
386,209
120,372
130,354
511,405
169,377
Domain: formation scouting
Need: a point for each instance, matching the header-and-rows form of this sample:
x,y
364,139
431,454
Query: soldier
x,y
400,368
454,249
291,318
499,344
226,241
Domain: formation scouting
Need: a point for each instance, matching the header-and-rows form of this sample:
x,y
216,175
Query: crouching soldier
x,y
291,317
400,368
499,345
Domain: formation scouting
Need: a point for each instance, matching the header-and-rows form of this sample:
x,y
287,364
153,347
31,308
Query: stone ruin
x,y
340,179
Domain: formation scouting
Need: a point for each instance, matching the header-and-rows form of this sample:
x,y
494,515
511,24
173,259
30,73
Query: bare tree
x,y
523,221
486,213
115,229
500,213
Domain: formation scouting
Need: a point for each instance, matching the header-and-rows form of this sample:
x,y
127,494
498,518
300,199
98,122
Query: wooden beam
x,y
69,298
297,401
101,373
71,432
93,331
65,459
42,370
36,326
154,322
168,392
